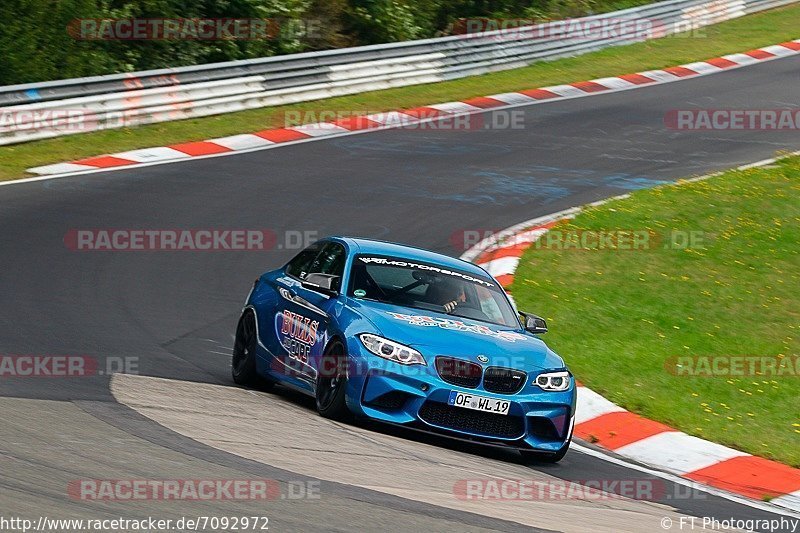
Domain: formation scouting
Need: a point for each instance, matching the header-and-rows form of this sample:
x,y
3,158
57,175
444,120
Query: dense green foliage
x,y
36,43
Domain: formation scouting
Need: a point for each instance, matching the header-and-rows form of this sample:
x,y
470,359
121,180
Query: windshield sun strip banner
x,y
401,263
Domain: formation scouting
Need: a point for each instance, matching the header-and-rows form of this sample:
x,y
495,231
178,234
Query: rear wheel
x,y
332,384
243,362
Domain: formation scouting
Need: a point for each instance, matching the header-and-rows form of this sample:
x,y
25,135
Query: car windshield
x,y
431,287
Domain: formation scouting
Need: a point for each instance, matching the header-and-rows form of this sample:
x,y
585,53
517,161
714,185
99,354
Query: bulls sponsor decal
x,y
298,334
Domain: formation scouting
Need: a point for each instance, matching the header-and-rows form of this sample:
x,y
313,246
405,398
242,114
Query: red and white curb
x,y
393,119
629,435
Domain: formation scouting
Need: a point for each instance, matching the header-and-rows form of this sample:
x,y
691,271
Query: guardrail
x,y
51,109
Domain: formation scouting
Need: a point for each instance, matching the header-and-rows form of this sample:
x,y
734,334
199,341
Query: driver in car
x,y
451,295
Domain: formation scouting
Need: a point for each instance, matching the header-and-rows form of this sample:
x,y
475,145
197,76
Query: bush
x,y
36,46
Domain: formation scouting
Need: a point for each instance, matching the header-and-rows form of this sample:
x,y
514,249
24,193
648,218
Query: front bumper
x,y
416,396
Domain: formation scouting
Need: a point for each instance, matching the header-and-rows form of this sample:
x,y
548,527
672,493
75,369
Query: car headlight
x,y
394,351
554,381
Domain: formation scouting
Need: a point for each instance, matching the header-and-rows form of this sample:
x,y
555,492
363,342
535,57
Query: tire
x,y
550,458
243,362
331,389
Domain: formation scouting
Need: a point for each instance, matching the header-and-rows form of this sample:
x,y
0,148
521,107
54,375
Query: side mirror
x,y
533,323
322,283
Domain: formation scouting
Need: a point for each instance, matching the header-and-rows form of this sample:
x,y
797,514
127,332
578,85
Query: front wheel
x,y
243,362
332,384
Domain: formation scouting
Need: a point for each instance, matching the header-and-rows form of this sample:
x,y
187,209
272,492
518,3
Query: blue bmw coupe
x,y
401,335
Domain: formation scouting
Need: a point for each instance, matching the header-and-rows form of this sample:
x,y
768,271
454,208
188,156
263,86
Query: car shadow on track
x,y
488,451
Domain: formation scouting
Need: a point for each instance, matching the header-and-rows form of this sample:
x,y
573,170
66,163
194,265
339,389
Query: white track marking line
x,y
615,83
778,50
243,141
391,118
701,67
741,59
792,501
678,452
568,91
513,98
319,129
454,107
60,168
762,506
156,153
662,76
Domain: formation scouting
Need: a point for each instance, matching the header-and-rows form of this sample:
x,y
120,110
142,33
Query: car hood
x,y
436,334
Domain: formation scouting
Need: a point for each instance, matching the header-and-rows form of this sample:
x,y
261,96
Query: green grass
x,y
734,36
619,316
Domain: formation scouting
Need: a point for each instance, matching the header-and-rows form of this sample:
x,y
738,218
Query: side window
x,y
329,261
301,264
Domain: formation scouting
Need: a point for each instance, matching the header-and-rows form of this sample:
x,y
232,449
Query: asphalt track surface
x,y
171,309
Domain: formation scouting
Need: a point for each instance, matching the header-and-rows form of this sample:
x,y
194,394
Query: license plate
x,y
479,403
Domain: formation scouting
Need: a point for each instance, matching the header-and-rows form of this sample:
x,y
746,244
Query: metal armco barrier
x,y
51,109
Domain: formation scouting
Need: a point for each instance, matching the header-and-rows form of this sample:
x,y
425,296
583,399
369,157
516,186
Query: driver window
x,y
300,265
329,261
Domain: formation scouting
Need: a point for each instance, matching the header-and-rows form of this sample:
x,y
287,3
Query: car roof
x,y
377,247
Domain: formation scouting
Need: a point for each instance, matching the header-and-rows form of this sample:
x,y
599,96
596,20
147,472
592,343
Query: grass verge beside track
x,y
621,318
739,35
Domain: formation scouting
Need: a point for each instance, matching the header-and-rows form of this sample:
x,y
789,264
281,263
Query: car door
x,y
270,302
304,315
